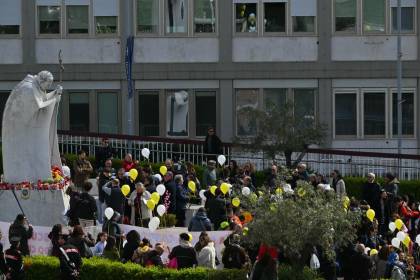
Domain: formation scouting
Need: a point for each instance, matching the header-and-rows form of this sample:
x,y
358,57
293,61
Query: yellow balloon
x,y
190,237
373,252
346,201
125,189
133,173
260,193
236,202
163,170
406,241
370,214
301,192
150,204
191,186
398,224
213,190
155,197
224,188
279,191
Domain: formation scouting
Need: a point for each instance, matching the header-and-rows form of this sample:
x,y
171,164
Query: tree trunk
x,y
288,156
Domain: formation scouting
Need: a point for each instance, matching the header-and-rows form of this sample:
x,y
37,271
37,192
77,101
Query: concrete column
x,y
93,111
325,21
225,31
28,32
417,28
227,110
325,112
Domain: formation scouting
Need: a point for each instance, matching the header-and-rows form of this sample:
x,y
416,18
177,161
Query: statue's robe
x,y
29,134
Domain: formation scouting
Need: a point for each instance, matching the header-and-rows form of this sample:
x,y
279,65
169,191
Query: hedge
x,y
47,268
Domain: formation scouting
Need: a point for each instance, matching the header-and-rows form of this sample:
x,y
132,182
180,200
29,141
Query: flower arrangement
x,y
56,182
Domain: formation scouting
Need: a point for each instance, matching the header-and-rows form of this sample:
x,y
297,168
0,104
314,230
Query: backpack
x,y
233,257
84,207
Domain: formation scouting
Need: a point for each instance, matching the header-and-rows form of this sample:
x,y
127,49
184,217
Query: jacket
x,y
86,207
138,204
200,222
24,233
340,188
82,170
216,211
68,267
82,244
171,194
115,199
186,256
212,145
103,179
207,256
14,262
181,198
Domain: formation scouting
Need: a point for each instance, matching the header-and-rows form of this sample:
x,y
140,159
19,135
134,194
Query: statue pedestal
x,y
41,207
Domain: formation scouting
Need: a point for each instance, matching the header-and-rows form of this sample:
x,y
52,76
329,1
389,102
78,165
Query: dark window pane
x,y
79,111
275,98
204,16
407,113
345,15
149,114
304,24
9,29
108,112
246,17
374,16
49,19
246,99
106,25
304,104
345,114
78,19
3,99
147,16
205,112
374,111
275,17
407,20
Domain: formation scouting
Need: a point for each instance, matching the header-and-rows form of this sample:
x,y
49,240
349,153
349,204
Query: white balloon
x,y
161,210
158,176
246,191
418,239
201,193
401,235
109,212
392,226
154,223
395,242
367,249
221,159
161,189
145,152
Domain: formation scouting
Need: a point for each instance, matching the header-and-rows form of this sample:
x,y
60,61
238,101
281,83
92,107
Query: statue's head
x,y
45,79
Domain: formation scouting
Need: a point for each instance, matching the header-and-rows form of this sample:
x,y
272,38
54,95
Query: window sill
x,y
10,36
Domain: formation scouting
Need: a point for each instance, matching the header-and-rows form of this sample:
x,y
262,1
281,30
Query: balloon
x,y
398,224
202,196
224,188
247,216
346,201
190,237
279,191
155,197
163,170
125,189
221,160
150,204
370,214
367,249
154,223
158,177
236,202
145,152
395,242
213,190
245,231
133,173
406,241
161,189
109,212
401,235
161,209
246,191
191,186
224,225
418,239
301,192
392,226
373,252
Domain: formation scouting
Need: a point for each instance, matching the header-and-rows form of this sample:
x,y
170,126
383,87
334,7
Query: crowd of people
x,y
371,256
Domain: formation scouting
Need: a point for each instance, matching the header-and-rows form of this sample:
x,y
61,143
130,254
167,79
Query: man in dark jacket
x,y
181,200
234,256
371,192
116,200
212,144
200,222
14,260
23,231
70,261
216,209
86,208
104,177
103,153
362,264
170,193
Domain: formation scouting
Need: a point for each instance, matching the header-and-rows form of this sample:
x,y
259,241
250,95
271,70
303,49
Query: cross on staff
x,y
60,62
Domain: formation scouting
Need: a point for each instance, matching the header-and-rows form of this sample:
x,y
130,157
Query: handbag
x,y
173,263
87,251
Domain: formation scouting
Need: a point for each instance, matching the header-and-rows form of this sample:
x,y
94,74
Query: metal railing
x,y
354,163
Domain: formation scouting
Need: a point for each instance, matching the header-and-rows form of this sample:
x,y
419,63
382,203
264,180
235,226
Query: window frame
x,y
98,92
158,93
334,125
88,92
357,17
287,21
205,34
391,119
414,32
386,20
12,36
106,35
258,22
305,34
61,21
90,23
194,110
160,27
386,112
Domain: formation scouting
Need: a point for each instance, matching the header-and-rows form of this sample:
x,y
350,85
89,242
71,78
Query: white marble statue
x,y
29,132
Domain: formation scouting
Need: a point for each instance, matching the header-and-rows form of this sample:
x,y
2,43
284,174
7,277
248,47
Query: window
x,y
106,24
49,19
176,16
304,24
147,16
246,99
77,19
79,111
374,16
407,20
177,112
304,104
9,29
204,16
10,17
345,15
407,113
346,114
374,113
246,17
274,17
205,111
107,112
275,98
149,113
3,100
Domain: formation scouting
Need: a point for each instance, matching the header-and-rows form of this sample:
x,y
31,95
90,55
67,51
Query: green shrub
x,y
287,272
47,268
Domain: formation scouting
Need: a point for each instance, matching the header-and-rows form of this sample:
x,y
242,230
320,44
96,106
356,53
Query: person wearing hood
x,y
24,231
207,255
184,253
200,221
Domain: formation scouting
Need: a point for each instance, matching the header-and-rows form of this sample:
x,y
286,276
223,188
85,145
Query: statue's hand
x,y
59,89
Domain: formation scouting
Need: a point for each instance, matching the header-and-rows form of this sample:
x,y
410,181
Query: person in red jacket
x,y
129,163
405,211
